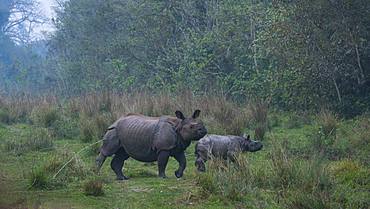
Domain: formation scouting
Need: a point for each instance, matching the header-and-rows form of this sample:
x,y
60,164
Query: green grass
x,y
349,187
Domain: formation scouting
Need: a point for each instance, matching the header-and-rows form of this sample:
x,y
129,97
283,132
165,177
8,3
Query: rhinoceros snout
x,y
256,146
202,132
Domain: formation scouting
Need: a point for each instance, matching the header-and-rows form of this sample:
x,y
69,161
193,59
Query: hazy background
x,y
47,8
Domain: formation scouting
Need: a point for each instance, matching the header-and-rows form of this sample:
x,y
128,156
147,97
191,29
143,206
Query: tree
x,y
18,19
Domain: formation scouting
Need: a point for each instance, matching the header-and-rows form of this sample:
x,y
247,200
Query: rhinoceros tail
x,y
196,149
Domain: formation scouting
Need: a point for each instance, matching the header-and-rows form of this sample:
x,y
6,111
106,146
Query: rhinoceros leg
x,y
201,157
117,163
199,163
162,163
180,157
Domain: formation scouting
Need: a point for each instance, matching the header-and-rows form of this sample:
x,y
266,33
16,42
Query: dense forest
x,y
297,55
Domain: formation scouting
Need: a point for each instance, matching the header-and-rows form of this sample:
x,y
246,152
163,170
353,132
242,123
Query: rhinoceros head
x,y
249,145
192,128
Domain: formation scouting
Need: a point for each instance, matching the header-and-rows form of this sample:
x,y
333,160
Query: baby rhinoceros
x,y
225,147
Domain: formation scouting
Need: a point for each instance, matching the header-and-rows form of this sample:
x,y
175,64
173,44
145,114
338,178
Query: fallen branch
x,y
70,160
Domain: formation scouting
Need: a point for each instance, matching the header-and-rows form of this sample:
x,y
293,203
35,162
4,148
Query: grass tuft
x,y
38,179
93,187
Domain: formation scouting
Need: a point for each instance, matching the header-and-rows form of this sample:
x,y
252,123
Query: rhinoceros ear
x,y
196,114
179,115
248,137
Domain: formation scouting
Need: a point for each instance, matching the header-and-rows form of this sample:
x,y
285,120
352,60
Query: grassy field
x,y
308,161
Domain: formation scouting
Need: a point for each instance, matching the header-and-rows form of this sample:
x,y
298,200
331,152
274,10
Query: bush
x,y
93,187
39,179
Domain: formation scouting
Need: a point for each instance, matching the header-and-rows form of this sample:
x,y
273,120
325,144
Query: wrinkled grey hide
x,y
226,147
149,139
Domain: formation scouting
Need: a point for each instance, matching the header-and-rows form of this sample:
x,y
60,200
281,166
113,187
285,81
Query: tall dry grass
x,y
87,116
258,112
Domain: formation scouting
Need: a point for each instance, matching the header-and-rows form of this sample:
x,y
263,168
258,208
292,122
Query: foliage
x,y
38,179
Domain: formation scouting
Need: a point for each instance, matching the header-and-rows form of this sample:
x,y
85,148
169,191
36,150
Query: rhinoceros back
x,y
136,136
218,145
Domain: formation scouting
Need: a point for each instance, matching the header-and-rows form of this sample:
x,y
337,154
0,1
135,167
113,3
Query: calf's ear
x,y
179,115
196,114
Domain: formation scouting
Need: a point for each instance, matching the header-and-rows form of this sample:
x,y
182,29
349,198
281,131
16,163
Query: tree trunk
x,y
337,90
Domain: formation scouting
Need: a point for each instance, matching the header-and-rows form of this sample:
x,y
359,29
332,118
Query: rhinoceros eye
x,y
193,125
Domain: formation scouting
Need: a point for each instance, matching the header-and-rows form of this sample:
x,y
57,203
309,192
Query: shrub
x,y
38,179
93,187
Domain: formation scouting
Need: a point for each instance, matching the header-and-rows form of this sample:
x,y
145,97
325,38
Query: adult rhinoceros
x,y
225,147
150,139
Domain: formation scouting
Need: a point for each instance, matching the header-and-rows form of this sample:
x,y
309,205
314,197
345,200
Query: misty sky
x,y
47,10
46,6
